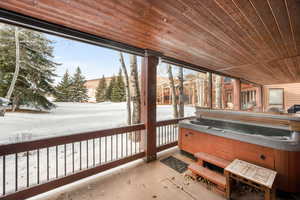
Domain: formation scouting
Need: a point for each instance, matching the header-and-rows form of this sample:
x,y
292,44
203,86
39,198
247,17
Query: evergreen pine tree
x,y
108,93
101,90
37,70
118,90
63,89
78,89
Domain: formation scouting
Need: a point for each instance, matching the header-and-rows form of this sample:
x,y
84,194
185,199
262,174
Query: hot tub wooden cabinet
x,y
273,152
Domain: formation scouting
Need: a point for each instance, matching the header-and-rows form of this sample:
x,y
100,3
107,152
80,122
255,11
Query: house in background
x,y
92,85
281,96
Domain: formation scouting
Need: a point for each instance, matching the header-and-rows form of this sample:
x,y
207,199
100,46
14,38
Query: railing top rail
x,y
19,147
172,121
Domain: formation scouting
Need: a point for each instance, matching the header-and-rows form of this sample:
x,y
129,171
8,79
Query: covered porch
x,y
256,42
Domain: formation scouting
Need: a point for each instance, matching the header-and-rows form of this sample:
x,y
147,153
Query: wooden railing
x,y
33,167
167,133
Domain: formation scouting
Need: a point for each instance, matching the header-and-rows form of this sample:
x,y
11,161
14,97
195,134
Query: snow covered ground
x,y
70,118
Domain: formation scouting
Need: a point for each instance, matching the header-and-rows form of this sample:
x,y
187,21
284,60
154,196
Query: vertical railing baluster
x,y
165,135
73,164
27,156
16,175
159,136
176,129
87,154
56,156
127,143
111,148
122,140
94,152
173,136
100,150
38,166
65,158
105,149
174,133
80,155
171,133
47,164
162,135
135,142
159,132
168,133
117,144
131,141
4,173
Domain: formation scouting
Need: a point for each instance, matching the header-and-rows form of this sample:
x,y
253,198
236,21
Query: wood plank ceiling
x,y
257,40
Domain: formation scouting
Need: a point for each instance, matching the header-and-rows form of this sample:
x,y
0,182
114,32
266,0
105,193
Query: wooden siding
x,y
257,40
291,94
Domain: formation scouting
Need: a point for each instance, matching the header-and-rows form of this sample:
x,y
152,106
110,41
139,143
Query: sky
x,y
94,61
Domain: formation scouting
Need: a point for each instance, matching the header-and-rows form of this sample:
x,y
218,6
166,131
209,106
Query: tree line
x,y
113,91
72,88
27,73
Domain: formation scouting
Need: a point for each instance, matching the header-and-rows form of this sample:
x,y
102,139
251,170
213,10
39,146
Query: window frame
x,y
276,104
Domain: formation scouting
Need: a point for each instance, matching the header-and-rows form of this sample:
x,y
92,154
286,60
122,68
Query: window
x,y
276,96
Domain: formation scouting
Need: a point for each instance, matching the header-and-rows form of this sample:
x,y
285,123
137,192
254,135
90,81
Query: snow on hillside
x,y
67,118
70,118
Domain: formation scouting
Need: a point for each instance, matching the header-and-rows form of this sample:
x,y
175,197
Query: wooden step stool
x,y
216,178
220,162
253,175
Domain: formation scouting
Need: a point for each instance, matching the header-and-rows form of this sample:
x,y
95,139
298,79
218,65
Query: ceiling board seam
x,y
281,34
226,54
258,33
290,23
221,21
267,29
224,41
241,28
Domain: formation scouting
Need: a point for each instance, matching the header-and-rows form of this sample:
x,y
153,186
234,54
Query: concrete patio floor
x,y
140,181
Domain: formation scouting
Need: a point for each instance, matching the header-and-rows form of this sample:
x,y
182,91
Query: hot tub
x,y
271,145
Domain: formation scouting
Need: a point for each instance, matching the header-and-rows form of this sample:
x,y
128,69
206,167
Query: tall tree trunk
x,y
135,97
15,103
17,69
200,90
173,91
181,94
218,98
209,89
127,88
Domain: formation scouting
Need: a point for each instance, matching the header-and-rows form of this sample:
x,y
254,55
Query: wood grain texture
x,y
284,162
257,40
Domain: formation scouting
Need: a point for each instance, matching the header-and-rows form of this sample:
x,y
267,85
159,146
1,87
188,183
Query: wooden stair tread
x,y
220,162
210,175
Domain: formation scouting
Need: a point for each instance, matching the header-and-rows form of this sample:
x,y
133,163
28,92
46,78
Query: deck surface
x,y
140,181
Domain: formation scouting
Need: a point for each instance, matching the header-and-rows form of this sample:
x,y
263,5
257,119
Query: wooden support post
x,y
209,89
148,104
259,99
237,94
